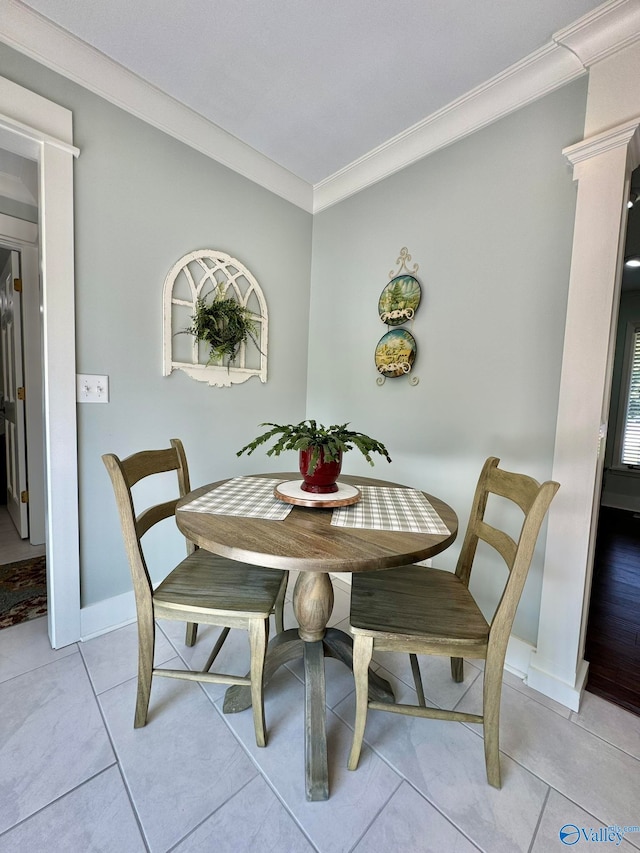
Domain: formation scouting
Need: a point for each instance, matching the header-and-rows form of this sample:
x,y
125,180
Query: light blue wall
x,y
142,200
489,220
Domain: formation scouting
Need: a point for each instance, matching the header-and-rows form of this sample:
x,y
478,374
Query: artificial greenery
x,y
224,325
332,440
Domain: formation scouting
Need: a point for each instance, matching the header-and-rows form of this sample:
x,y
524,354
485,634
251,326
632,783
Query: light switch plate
x,y
91,388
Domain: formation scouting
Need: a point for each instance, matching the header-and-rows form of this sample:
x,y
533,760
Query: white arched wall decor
x,y
41,130
602,165
196,276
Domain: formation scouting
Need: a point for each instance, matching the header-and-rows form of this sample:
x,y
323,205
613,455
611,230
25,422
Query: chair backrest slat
x,y
498,539
140,465
519,488
153,515
506,610
124,475
533,499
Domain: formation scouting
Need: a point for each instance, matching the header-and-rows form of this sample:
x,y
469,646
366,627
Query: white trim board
x,y
35,127
611,27
569,695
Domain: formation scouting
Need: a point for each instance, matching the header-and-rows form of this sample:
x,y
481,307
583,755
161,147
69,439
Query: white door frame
x,y
41,130
14,382
22,236
32,335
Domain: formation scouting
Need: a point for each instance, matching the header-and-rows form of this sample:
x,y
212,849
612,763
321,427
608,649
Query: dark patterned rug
x,y
23,591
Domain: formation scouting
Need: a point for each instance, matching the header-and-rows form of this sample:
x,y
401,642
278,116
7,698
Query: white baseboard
x,y
569,695
107,615
518,656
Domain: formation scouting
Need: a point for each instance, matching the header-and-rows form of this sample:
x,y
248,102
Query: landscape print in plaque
x,y
395,353
399,300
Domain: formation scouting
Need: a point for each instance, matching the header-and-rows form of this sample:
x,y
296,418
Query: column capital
x,y
617,137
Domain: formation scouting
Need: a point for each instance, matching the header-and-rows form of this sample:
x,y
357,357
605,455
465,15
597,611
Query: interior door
x,y
13,384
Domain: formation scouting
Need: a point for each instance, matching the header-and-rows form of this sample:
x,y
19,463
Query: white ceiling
x,y
314,84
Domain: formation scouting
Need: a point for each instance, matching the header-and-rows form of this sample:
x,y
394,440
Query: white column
x,y
602,167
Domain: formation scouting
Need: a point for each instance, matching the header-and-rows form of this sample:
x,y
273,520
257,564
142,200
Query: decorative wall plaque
x,y
398,303
201,275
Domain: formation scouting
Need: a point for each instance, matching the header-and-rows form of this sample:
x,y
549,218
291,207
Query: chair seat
x,y
428,603
205,580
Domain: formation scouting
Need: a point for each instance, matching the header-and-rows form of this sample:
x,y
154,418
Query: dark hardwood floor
x,y
613,629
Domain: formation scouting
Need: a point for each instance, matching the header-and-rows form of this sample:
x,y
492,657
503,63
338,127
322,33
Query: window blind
x,y
631,435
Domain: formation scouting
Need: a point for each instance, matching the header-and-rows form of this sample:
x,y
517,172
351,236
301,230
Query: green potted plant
x,y
224,325
320,450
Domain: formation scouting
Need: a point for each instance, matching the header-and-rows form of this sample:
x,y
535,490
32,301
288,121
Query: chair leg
x,y
146,645
192,633
258,636
492,689
362,653
457,671
417,679
214,653
279,605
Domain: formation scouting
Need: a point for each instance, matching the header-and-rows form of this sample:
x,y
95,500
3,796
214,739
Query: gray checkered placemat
x,y
251,497
386,508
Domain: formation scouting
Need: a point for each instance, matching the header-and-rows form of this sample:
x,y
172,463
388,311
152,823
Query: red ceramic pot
x,y
323,479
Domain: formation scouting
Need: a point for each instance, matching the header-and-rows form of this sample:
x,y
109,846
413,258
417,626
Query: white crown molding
x,y
602,32
625,134
51,46
533,77
609,28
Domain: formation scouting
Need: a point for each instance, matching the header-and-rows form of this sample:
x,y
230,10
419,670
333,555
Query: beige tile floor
x,y
13,548
76,777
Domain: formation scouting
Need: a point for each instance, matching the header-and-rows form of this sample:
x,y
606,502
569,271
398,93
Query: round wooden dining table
x,y
307,542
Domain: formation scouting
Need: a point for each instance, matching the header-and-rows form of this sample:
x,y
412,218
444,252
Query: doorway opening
x,y
613,630
22,515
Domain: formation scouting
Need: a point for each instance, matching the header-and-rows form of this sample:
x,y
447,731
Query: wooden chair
x,y
423,610
202,588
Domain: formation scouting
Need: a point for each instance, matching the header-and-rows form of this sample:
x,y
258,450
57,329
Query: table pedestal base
x,y
288,646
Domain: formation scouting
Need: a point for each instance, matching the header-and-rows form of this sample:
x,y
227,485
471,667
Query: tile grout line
x,y
408,781
537,826
205,819
58,799
139,824
245,749
377,815
259,773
